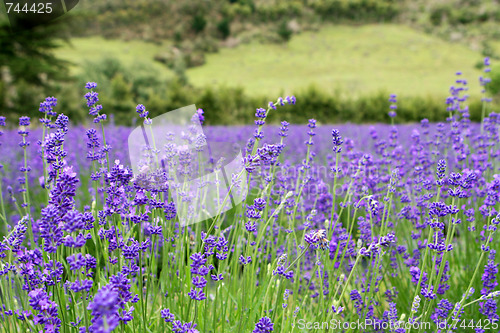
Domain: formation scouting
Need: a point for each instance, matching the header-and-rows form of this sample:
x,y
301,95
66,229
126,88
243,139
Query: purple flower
x,y
178,326
337,141
141,110
80,285
131,251
199,281
198,260
48,105
264,325
16,238
121,284
170,211
92,98
441,169
312,123
200,113
167,315
47,310
290,100
216,277
269,153
489,278
251,162
104,309
76,261
74,221
280,270
50,228
245,261
94,110
428,292
489,309
91,85
24,121
442,310
393,106
197,295
310,238
357,299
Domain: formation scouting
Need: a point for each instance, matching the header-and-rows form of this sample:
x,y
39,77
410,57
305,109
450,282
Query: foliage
x,y
284,31
28,66
356,10
494,86
124,86
199,22
359,60
224,27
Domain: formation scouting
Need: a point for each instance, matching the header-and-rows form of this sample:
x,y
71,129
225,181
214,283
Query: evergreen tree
x,y
28,67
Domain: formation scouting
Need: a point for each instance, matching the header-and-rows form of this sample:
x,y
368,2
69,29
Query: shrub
x,y
284,31
198,23
224,27
438,14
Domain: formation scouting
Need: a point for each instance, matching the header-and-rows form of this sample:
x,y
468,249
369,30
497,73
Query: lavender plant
x,y
394,231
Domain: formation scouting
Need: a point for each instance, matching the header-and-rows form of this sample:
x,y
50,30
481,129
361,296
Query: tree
x,y
28,67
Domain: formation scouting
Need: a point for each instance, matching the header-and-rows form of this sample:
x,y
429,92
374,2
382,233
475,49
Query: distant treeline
x,y
173,19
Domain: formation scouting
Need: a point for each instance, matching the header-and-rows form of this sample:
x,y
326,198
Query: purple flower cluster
x,y
92,98
47,310
264,325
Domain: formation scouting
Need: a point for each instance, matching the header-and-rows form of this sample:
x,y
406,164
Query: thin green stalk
x,y
27,195
349,277
2,206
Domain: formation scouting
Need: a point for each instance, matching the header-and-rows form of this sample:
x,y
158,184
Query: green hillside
x,y
89,49
355,59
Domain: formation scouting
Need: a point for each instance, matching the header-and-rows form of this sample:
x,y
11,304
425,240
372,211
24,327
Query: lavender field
x,y
342,228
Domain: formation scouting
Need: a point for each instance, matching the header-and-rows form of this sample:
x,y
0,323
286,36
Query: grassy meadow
x,y
79,51
355,59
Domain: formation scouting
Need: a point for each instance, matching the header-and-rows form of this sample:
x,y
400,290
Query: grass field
x,y
360,60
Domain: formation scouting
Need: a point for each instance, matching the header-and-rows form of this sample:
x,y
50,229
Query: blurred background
x,y
340,58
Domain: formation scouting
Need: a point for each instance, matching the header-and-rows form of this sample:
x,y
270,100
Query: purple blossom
x,y
104,309
167,315
141,110
264,325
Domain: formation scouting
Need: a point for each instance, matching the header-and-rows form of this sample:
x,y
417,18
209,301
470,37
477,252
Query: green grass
x,y
361,59
81,50
355,59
